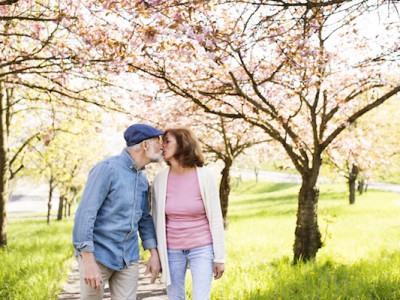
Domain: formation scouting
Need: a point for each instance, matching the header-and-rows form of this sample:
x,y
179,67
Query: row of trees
x,y
297,73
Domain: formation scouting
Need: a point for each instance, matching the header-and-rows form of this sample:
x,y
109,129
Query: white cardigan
x,y
210,194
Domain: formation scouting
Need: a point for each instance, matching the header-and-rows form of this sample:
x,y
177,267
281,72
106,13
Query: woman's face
x,y
169,147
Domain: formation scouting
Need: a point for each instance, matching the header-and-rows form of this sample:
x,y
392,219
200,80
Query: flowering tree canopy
x,y
300,73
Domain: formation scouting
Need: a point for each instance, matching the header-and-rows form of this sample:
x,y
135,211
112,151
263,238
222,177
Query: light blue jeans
x,y
201,262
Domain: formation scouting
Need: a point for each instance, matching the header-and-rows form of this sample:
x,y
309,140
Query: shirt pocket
x,y
141,202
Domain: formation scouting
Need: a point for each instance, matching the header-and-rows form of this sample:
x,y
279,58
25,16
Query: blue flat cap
x,y
137,133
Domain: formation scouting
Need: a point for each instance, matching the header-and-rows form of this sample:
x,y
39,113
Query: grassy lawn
x,y
36,261
360,258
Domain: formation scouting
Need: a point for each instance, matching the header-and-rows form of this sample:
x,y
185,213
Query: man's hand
x,y
91,271
218,270
153,265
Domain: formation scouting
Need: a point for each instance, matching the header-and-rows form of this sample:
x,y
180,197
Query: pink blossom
x,y
177,17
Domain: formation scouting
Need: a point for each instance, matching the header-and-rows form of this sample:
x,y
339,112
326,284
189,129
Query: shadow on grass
x,y
375,279
263,202
262,213
264,206
267,200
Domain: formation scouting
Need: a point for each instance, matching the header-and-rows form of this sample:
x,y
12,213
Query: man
x,y
113,208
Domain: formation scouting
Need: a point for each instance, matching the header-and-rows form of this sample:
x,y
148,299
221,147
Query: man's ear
x,y
145,145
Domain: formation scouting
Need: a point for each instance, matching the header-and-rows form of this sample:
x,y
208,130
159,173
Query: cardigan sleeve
x,y
215,215
158,212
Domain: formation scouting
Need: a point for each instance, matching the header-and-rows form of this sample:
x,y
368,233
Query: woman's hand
x,y
219,269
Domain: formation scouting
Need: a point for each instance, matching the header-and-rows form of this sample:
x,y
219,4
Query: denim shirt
x,y
113,208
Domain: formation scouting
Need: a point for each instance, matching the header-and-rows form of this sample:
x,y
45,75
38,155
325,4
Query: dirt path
x,y
145,290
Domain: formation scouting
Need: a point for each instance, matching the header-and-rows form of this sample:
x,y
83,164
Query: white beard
x,y
154,156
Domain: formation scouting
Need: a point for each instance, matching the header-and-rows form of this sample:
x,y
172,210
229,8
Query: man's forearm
x,y
153,251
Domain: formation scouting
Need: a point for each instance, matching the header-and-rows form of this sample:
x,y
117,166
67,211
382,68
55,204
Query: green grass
x,y
360,258
36,261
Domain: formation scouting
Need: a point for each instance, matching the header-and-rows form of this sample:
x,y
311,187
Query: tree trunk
x,y
307,234
224,190
4,167
65,208
4,192
256,172
352,184
360,186
49,205
61,200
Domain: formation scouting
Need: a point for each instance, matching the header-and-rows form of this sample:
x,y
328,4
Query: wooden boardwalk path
x,y
146,290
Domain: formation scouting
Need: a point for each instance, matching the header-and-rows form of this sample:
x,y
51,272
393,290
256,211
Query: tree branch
x,y
357,115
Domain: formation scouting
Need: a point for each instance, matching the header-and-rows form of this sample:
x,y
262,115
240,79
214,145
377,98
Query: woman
x,y
187,216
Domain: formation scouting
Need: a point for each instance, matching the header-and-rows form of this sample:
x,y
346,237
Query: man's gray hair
x,y
134,148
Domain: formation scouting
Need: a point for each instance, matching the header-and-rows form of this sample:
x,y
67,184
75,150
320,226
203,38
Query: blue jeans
x,y
201,262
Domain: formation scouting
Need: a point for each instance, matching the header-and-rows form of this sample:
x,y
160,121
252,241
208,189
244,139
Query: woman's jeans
x,y
201,262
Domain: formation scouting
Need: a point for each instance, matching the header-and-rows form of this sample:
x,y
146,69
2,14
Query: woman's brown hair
x,y
188,152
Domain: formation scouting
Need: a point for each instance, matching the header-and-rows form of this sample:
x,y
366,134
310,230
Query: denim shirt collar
x,y
129,161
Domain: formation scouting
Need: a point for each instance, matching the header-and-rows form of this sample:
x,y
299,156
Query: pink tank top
x,y
187,225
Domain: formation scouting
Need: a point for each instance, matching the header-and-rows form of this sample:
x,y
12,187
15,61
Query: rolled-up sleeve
x,y
146,228
96,191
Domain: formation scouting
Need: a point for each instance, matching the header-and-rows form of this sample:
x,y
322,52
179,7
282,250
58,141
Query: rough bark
x,y
4,169
224,189
61,200
352,184
307,234
4,192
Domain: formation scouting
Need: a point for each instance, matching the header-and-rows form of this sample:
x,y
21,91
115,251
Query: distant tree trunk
x,y
307,234
224,189
66,208
360,187
4,165
61,200
256,172
239,180
69,209
73,194
49,204
352,184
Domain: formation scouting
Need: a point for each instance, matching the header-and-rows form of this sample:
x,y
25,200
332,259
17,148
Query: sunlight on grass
x,y
35,263
359,260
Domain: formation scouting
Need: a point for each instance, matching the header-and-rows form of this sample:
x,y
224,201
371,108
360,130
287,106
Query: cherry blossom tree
x,y
298,74
356,154
46,61
62,158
